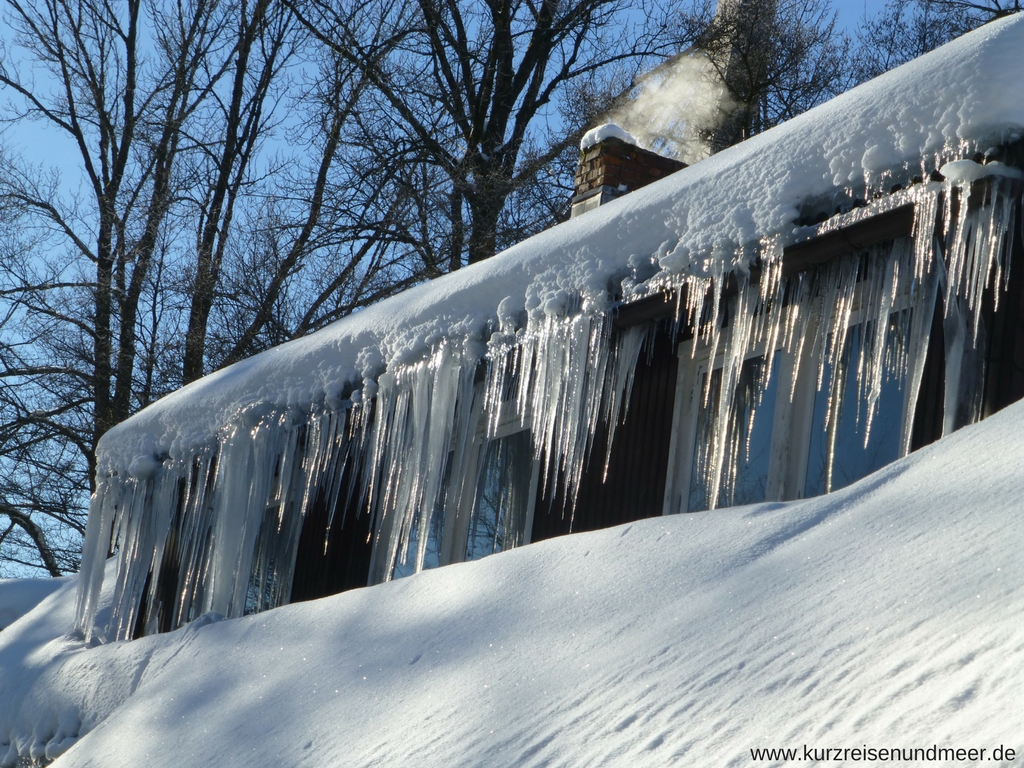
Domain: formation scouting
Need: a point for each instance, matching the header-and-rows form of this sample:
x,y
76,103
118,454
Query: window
x,y
746,453
857,446
786,437
491,512
736,467
504,496
406,566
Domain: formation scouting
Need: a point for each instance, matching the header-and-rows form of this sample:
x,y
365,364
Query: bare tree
x,y
465,91
72,303
342,237
906,29
775,58
263,45
108,286
974,14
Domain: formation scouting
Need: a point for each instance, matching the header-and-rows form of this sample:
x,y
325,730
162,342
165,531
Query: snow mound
x,y
968,171
888,614
595,136
19,596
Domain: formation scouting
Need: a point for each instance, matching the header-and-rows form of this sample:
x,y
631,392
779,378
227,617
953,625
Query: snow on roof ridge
x,y
938,108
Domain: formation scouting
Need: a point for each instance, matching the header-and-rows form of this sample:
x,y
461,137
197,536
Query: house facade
x,y
770,324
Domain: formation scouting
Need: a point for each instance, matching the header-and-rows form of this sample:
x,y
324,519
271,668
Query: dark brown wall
x,y
635,488
345,563
1004,382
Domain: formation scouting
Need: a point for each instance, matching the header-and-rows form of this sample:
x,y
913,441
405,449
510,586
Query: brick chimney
x,y
611,168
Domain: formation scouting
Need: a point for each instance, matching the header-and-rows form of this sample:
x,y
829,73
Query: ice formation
x,y
228,518
206,522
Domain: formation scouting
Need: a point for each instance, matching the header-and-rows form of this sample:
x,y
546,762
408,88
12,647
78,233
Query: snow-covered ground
x,y
19,596
888,614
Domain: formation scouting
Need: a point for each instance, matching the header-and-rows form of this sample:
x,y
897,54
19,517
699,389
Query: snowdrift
x,y
19,596
886,615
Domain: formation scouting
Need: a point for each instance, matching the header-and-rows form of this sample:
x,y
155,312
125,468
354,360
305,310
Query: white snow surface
x,y
943,106
966,171
606,131
19,596
887,614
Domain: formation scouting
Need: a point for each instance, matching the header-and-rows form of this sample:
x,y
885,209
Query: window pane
x,y
748,439
753,433
852,458
430,559
503,496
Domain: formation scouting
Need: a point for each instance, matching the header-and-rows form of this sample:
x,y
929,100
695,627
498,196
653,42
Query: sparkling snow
x,y
890,613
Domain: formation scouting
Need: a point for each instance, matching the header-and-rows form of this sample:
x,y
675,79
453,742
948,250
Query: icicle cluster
x,y
219,531
959,247
560,377
227,521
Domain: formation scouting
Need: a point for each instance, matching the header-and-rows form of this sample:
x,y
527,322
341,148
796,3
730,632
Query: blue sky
x,y
47,147
851,12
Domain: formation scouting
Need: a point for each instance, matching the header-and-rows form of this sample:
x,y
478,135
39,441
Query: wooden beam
x,y
655,307
856,237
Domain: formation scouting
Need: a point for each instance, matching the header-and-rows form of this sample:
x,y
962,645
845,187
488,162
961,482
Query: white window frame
x,y
456,527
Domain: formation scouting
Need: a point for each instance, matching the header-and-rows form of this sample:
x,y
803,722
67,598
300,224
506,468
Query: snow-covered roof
x,y
959,99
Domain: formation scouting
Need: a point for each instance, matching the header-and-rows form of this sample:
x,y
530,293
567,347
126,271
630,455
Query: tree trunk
x,y
485,206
